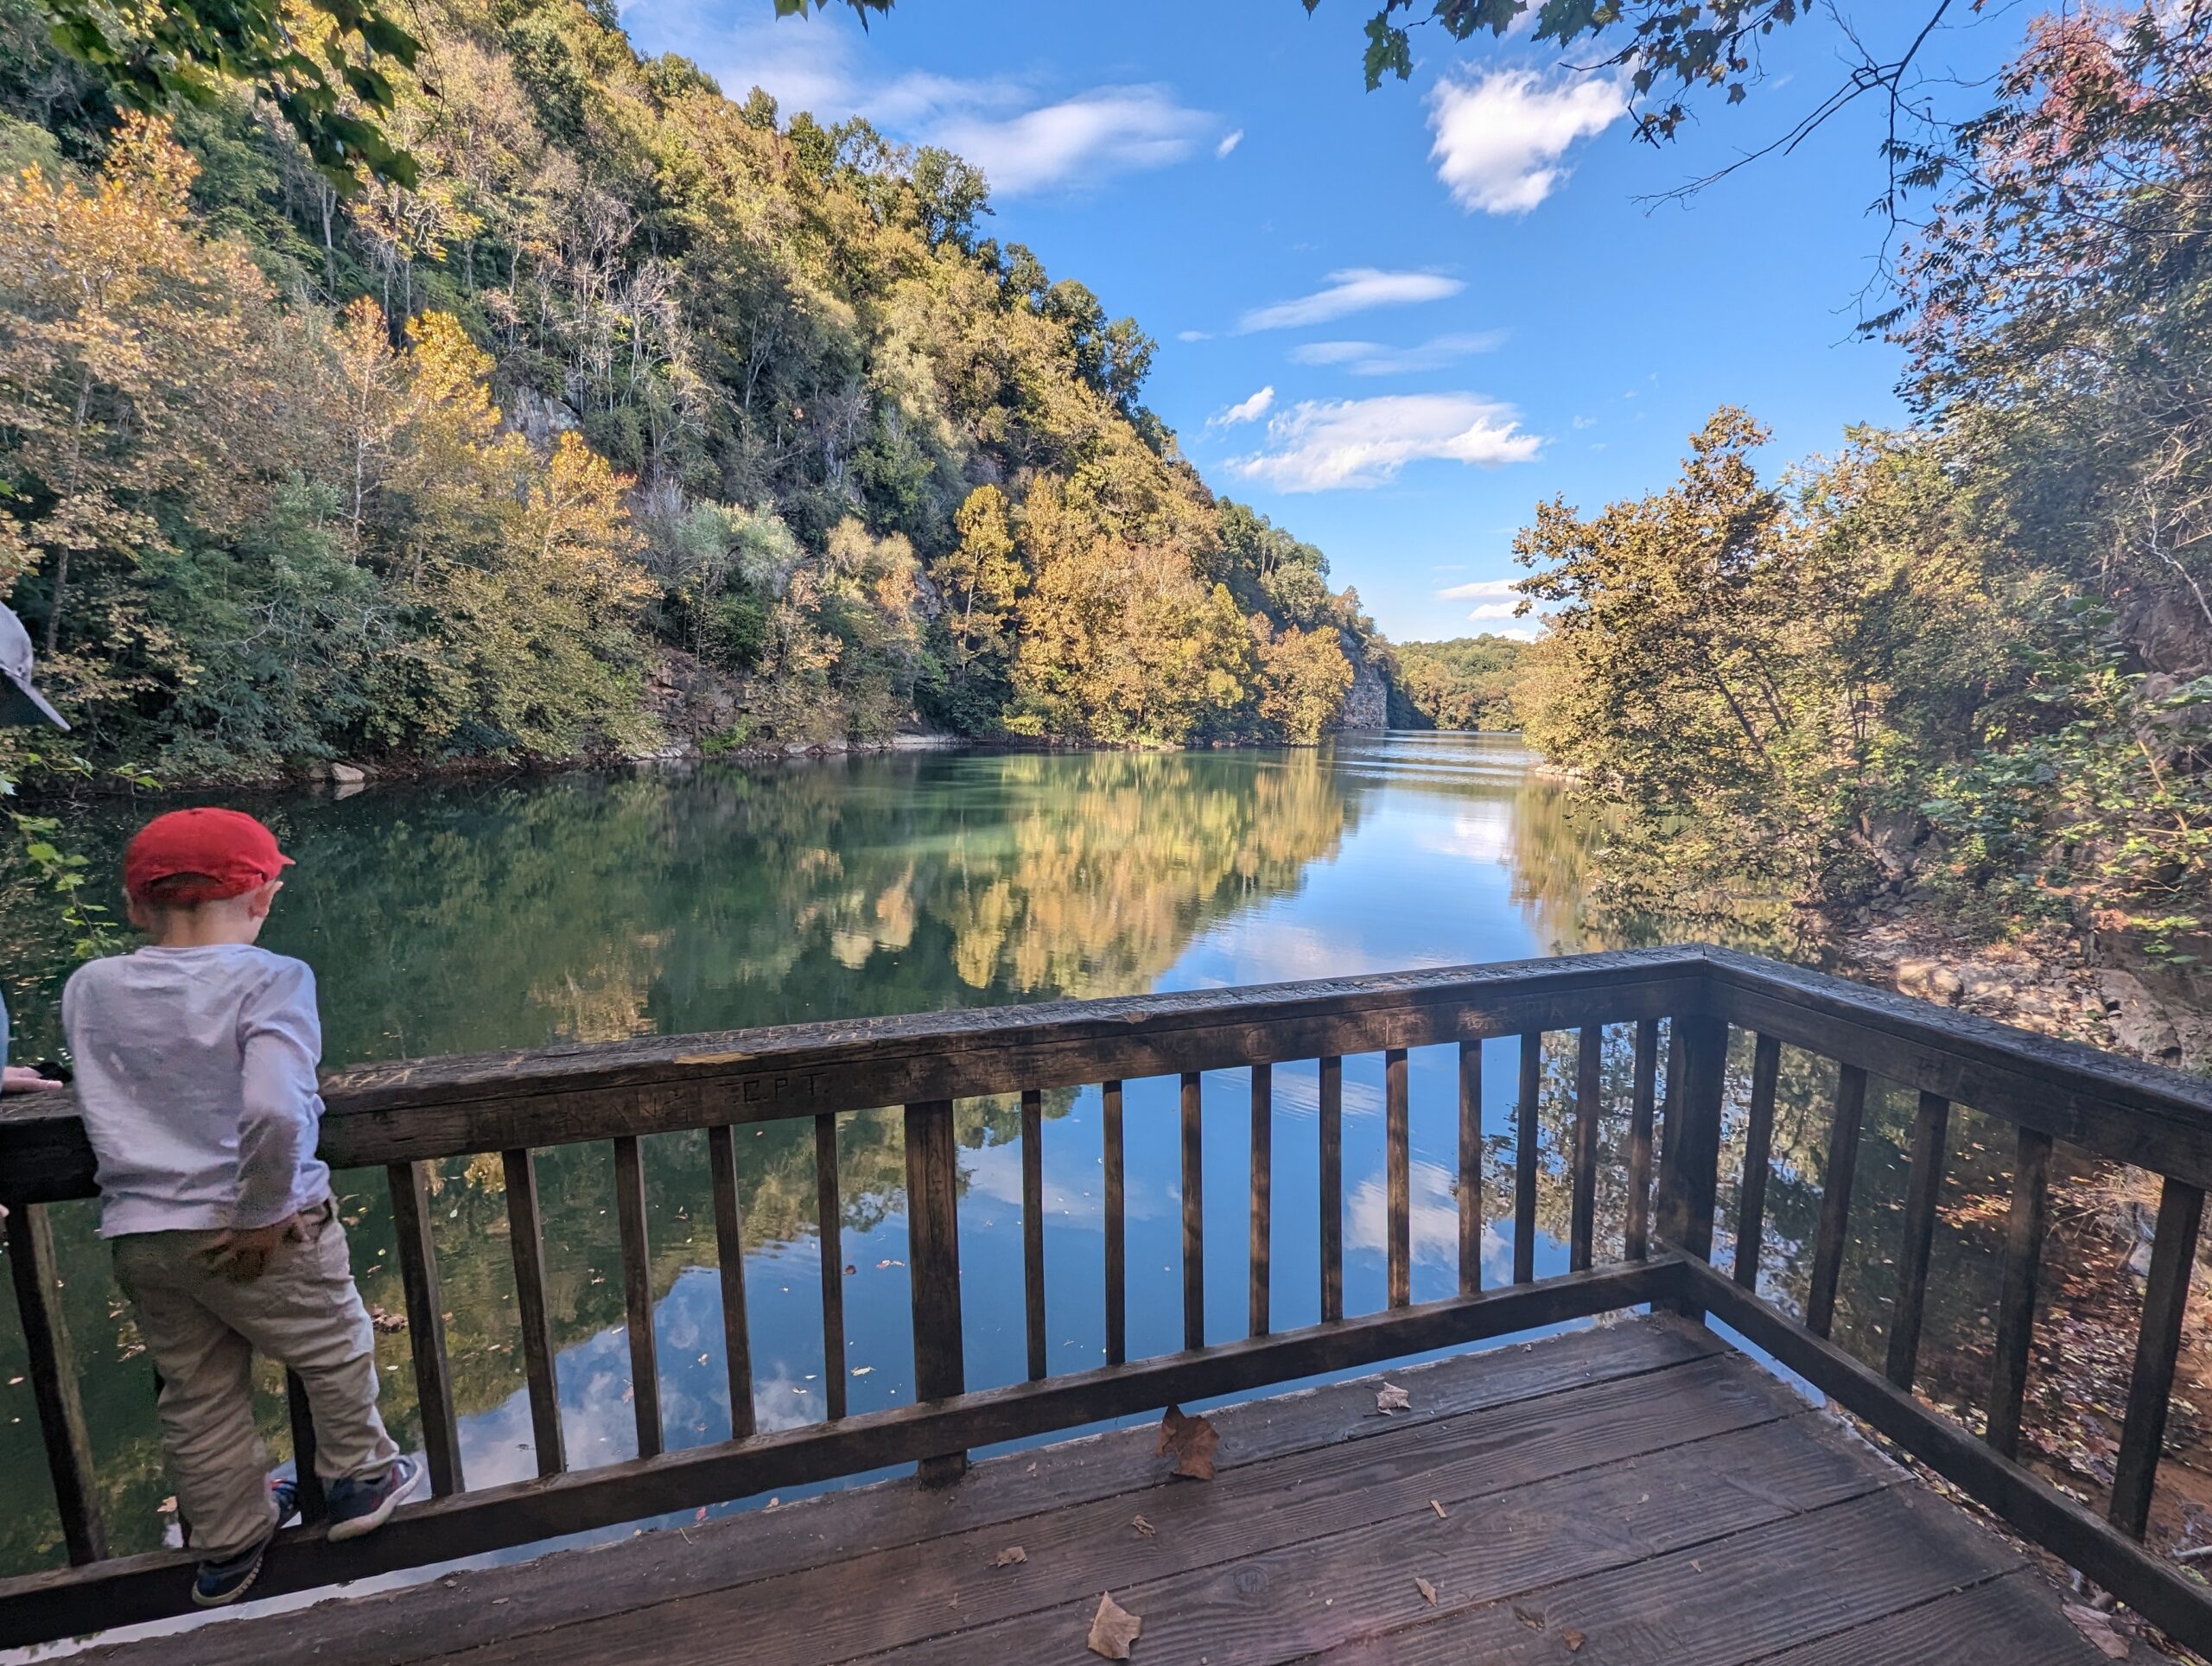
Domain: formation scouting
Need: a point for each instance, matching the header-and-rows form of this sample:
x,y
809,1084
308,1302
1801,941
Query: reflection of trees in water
x,y
589,908
1956,1339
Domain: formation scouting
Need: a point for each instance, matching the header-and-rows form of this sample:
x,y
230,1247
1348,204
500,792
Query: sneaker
x,y
358,1507
225,1580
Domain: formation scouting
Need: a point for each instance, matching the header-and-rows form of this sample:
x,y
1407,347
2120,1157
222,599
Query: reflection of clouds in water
x,y
781,1401
995,1171
1298,1093
1434,1217
1266,947
1480,832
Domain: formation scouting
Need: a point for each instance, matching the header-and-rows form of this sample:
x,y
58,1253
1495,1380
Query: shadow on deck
x,y
1633,1493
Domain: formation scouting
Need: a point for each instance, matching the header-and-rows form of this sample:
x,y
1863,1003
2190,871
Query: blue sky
x,y
1393,320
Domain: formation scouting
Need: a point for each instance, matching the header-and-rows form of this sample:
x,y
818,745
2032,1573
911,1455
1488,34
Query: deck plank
x,y
1316,1595
1740,1597
949,1585
2001,1622
462,1610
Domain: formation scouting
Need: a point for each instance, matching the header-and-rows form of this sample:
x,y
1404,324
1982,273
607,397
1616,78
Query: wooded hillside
x,y
642,407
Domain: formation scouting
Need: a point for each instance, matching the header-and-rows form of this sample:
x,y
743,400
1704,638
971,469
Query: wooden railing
x,y
401,1116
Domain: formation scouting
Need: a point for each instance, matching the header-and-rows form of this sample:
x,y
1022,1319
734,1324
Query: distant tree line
x,y
1466,682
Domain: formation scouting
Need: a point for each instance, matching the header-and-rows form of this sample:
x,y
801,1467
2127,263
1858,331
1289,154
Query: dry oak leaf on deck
x,y
1428,1591
1393,1398
1009,1556
2098,1628
1192,1440
1113,1629
1145,1528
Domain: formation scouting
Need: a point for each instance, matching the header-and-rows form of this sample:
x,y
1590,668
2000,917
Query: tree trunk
x,y
76,464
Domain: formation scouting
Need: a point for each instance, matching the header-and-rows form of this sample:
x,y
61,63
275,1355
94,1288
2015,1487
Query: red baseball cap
x,y
232,851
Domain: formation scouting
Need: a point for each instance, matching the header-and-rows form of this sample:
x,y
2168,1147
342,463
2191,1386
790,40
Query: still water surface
x,y
454,918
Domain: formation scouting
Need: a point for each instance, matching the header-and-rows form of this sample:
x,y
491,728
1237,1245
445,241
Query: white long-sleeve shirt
x,y
196,1079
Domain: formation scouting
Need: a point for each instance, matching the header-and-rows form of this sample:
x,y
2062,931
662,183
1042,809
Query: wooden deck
x,y
1635,1493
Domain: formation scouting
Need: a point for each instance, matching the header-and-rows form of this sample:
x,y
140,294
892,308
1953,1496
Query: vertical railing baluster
x,y
1670,1100
2016,1300
1263,1184
1835,1198
52,1370
1643,1099
1589,1090
1332,1188
1194,1213
1397,1162
526,1244
933,1267
314,1506
1690,1164
1470,1167
1931,1122
426,1327
638,1294
1033,1228
1524,1157
1758,1160
1117,1289
2143,1436
829,1214
729,1260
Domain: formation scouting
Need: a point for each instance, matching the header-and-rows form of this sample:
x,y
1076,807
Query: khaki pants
x,y
203,1329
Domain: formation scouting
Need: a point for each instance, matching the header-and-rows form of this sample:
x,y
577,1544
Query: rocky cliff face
x,y
1367,704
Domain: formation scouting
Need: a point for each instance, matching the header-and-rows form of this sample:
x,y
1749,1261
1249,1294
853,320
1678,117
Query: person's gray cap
x,y
20,703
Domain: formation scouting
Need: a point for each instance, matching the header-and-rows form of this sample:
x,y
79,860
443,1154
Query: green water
x,y
593,907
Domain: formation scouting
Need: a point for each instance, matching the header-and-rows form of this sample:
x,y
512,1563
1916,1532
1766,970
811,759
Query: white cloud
x,y
1480,589
1244,411
1321,445
1229,141
1079,140
1495,610
1586,421
1372,359
1501,134
1024,145
1194,335
1351,290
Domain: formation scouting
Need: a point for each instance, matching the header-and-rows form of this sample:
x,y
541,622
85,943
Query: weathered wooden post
x,y
933,1267
1689,1165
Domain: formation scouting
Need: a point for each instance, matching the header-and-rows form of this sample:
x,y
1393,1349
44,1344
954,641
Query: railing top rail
x,y
412,1109
2134,1112
2119,1108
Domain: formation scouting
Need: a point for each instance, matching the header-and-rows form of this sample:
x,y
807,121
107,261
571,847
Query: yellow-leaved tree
x,y
546,635
1304,677
115,317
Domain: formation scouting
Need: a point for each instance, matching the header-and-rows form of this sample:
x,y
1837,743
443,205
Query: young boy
x,y
195,1061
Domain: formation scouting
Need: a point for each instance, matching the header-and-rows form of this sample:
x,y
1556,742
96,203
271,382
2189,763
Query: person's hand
x,y
242,1254
21,1078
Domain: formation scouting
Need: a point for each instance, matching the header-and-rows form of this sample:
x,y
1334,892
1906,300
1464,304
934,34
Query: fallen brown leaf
x,y
1009,1556
1113,1629
2098,1628
1428,1591
1573,1640
1528,1617
1392,1398
1437,1508
1192,1440
1697,1567
1145,1528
